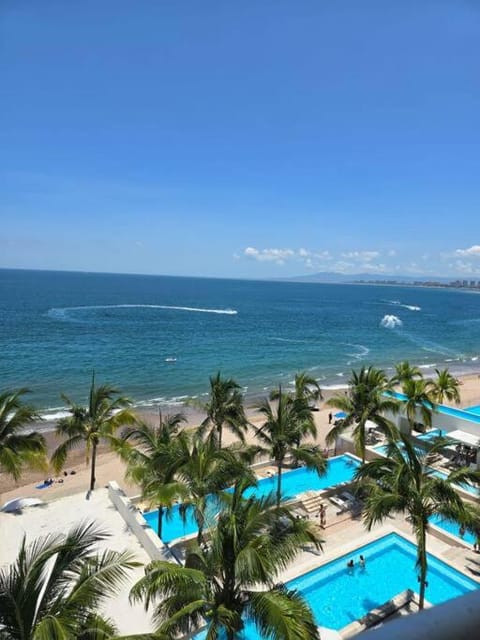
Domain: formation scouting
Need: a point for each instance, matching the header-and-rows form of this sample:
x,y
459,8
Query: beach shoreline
x,y
110,467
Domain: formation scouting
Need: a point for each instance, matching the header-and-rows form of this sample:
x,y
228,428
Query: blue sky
x,y
245,139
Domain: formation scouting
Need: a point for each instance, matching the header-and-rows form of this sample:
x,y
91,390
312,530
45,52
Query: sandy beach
x,y
110,467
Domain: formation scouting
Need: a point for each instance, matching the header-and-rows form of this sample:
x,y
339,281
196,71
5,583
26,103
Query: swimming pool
x,y
339,470
475,409
452,527
338,595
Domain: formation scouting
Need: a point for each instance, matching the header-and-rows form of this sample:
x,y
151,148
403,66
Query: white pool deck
x,y
58,516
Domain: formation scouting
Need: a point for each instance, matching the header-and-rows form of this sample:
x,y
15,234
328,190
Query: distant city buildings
x,y
455,284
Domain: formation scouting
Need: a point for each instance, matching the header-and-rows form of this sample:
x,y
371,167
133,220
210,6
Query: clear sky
x,y
257,138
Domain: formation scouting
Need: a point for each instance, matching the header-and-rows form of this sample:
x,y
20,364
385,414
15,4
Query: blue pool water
x,y
432,434
340,469
475,409
338,595
452,527
382,450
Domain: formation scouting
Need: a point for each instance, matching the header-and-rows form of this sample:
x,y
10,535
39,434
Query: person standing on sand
x,y
330,417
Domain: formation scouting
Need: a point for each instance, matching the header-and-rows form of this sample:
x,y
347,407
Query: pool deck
x,y
59,516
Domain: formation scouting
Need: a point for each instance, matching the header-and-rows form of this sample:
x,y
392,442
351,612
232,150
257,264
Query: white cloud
x,y
363,256
269,255
473,251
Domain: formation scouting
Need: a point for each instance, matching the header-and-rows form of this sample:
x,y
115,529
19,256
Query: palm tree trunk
x,y
92,469
422,560
219,436
279,483
160,521
200,523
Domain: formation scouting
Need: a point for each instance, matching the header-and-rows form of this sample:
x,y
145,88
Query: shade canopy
x,y
17,504
465,438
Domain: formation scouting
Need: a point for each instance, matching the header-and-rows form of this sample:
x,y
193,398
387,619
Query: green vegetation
x,y
233,577
56,586
403,483
106,411
19,450
288,422
364,401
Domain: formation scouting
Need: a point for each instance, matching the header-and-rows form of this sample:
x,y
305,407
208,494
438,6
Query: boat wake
x,y
63,313
411,307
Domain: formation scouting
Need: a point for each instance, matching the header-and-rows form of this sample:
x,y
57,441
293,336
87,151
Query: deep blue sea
x,y
159,338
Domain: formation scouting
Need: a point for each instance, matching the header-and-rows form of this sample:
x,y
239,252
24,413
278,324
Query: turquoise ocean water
x,y
159,338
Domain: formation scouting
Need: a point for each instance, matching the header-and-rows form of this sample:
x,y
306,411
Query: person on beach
x,y
330,418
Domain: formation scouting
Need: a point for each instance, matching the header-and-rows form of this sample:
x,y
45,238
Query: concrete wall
x,y
138,525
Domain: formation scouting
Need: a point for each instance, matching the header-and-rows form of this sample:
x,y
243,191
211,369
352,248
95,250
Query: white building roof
x,y
466,438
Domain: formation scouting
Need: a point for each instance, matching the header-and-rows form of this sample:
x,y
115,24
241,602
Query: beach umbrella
x,y
20,503
340,414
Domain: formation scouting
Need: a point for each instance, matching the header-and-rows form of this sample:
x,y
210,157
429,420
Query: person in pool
x,y
350,565
361,562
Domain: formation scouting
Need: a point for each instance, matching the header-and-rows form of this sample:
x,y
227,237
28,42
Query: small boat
x,y
170,359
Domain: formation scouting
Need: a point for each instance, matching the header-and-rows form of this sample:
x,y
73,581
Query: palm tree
x,y
57,586
18,449
419,400
224,409
205,474
403,483
366,400
405,371
233,579
106,411
287,424
152,463
445,387
306,388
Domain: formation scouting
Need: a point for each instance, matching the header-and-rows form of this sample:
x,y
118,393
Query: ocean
x,y
159,338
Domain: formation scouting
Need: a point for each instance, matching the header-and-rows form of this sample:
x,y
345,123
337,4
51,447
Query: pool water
x,y
339,470
452,527
432,434
338,595
475,410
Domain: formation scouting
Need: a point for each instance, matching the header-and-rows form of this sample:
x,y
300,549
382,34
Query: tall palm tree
x,y
233,579
288,422
306,388
224,409
419,401
445,387
154,459
365,401
57,585
403,483
405,371
19,449
205,474
106,411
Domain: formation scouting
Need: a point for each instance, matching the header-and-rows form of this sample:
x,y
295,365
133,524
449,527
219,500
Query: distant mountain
x,y
342,278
